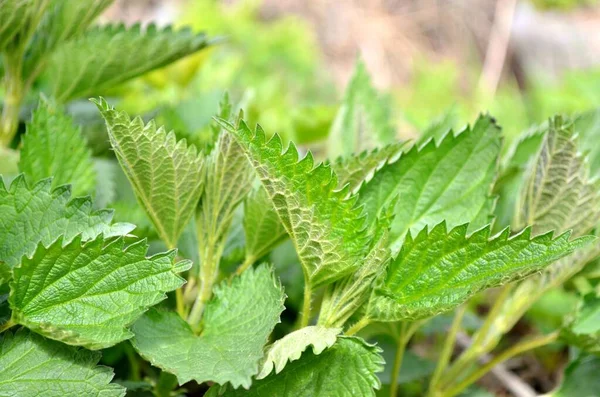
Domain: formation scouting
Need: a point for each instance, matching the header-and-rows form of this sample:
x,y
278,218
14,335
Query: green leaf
x,y
63,20
557,194
356,169
363,121
29,216
89,294
262,227
106,56
326,227
581,378
345,369
54,147
34,366
237,323
451,182
17,20
438,270
166,174
583,328
290,347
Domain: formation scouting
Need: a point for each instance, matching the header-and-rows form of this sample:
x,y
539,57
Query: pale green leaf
x,y
262,227
557,194
583,327
326,227
54,147
438,270
29,216
17,21
89,294
106,56
290,347
451,181
356,169
363,120
346,369
581,378
35,366
9,162
237,322
166,174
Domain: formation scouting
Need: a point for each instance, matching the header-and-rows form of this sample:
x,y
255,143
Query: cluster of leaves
x,y
384,234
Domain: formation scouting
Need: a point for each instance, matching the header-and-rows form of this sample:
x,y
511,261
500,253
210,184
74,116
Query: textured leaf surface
x,y
290,347
557,194
262,227
439,270
451,182
237,323
347,368
34,366
89,294
327,228
363,121
165,173
54,147
109,55
29,216
355,169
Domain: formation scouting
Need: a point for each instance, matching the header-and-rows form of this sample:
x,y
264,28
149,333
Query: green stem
x,y
363,322
306,304
447,350
7,325
245,265
505,355
209,268
400,349
134,365
9,121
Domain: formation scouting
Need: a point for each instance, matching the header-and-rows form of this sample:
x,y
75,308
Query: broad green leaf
x,y
583,327
290,347
262,227
451,181
587,126
106,56
363,121
35,366
347,368
356,169
438,270
17,21
38,214
63,20
54,147
166,174
557,194
581,378
89,294
326,227
237,322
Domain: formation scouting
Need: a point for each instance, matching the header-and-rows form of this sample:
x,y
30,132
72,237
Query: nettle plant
x,y
387,235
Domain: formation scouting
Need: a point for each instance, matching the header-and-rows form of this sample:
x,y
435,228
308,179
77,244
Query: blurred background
x,y
439,62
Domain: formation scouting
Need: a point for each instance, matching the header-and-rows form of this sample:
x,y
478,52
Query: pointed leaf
x,y
345,369
439,270
326,227
32,365
106,56
29,216
363,121
290,347
237,323
451,182
165,173
50,136
89,294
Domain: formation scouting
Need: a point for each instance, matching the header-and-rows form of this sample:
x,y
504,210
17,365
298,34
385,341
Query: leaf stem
x,y
400,349
7,325
306,304
9,120
179,303
505,355
360,324
245,265
447,350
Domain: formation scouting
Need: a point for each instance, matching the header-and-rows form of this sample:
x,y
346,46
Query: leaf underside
x,y
237,323
35,366
438,270
87,295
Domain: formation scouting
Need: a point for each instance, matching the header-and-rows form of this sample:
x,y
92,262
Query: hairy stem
x,y
447,350
505,355
209,269
363,322
400,349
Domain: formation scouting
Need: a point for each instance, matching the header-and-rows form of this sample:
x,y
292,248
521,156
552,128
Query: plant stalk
x,y
9,121
306,304
400,349
7,325
245,265
360,324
